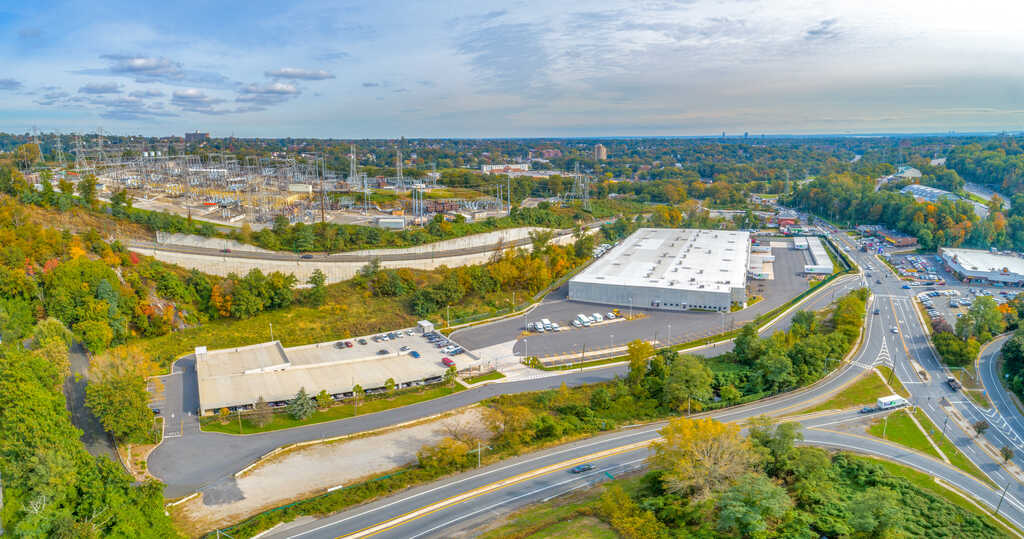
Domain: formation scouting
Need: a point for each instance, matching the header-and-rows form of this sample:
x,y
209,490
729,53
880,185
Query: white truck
x,y
546,323
890,402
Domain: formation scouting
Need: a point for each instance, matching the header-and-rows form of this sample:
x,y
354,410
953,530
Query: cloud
x,y
508,56
332,56
195,100
825,29
426,83
153,69
52,97
128,108
146,93
294,73
10,84
100,88
371,85
270,94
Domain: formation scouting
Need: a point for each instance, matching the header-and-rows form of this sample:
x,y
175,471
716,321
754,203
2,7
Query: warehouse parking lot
x,y
662,326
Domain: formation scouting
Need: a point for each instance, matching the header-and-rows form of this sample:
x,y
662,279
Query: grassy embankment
x,y
233,424
493,375
863,392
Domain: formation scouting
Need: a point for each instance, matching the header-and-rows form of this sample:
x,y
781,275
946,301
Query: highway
x,y
896,336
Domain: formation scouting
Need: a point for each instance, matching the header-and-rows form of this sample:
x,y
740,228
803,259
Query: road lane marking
x,y
416,514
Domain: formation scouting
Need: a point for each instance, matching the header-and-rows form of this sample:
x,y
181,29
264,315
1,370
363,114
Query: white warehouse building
x,y
671,269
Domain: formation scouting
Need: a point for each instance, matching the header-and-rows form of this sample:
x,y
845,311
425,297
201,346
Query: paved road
x,y
896,336
98,441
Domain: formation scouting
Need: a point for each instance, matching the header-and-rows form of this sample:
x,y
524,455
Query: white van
x,y
546,323
597,317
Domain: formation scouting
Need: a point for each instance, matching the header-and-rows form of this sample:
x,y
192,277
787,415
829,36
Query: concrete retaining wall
x,y
335,271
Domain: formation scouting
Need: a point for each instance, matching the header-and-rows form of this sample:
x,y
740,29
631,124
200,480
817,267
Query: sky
x,y
385,69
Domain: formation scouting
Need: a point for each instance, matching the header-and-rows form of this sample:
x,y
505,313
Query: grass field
x,y
493,375
861,393
895,383
282,420
956,458
979,397
899,428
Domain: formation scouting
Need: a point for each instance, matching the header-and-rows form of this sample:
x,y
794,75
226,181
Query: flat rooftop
x,y
675,258
236,376
978,260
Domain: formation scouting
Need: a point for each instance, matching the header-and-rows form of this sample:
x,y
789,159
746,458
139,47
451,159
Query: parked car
x,y
404,349
415,354
610,316
362,341
576,324
597,317
580,468
382,352
447,361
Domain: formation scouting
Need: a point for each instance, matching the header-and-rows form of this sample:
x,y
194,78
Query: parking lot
x,y
648,324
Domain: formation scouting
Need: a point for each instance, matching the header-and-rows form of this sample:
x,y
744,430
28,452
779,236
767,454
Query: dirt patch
x,y
311,470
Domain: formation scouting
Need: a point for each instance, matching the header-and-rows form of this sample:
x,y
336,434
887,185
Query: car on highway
x,y
580,468
877,311
906,287
867,410
225,250
953,383
895,329
447,361
878,281
307,257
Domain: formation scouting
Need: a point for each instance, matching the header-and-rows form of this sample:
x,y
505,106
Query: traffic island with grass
x,y
863,392
493,375
900,428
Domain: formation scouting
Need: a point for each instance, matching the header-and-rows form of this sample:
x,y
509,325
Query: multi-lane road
x,y
896,336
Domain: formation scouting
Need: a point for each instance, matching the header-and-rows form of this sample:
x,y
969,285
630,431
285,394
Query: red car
x,y
447,361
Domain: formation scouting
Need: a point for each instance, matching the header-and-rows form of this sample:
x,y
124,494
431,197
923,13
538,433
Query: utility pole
x,y
1002,497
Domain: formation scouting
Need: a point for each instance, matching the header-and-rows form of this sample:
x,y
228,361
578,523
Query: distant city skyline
x,y
526,69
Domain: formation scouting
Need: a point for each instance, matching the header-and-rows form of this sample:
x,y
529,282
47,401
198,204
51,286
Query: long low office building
x,y
977,266
235,378
671,269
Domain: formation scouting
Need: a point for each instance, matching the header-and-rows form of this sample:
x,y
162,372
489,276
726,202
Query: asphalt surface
x,y
97,441
431,511
653,325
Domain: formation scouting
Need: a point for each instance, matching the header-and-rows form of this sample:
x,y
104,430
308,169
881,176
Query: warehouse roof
x,y
985,261
239,376
682,259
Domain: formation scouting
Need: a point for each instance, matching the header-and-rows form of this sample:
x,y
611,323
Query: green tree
x,y
301,406
317,292
689,380
700,457
876,511
752,506
449,375
389,386
323,399
121,403
87,190
747,345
